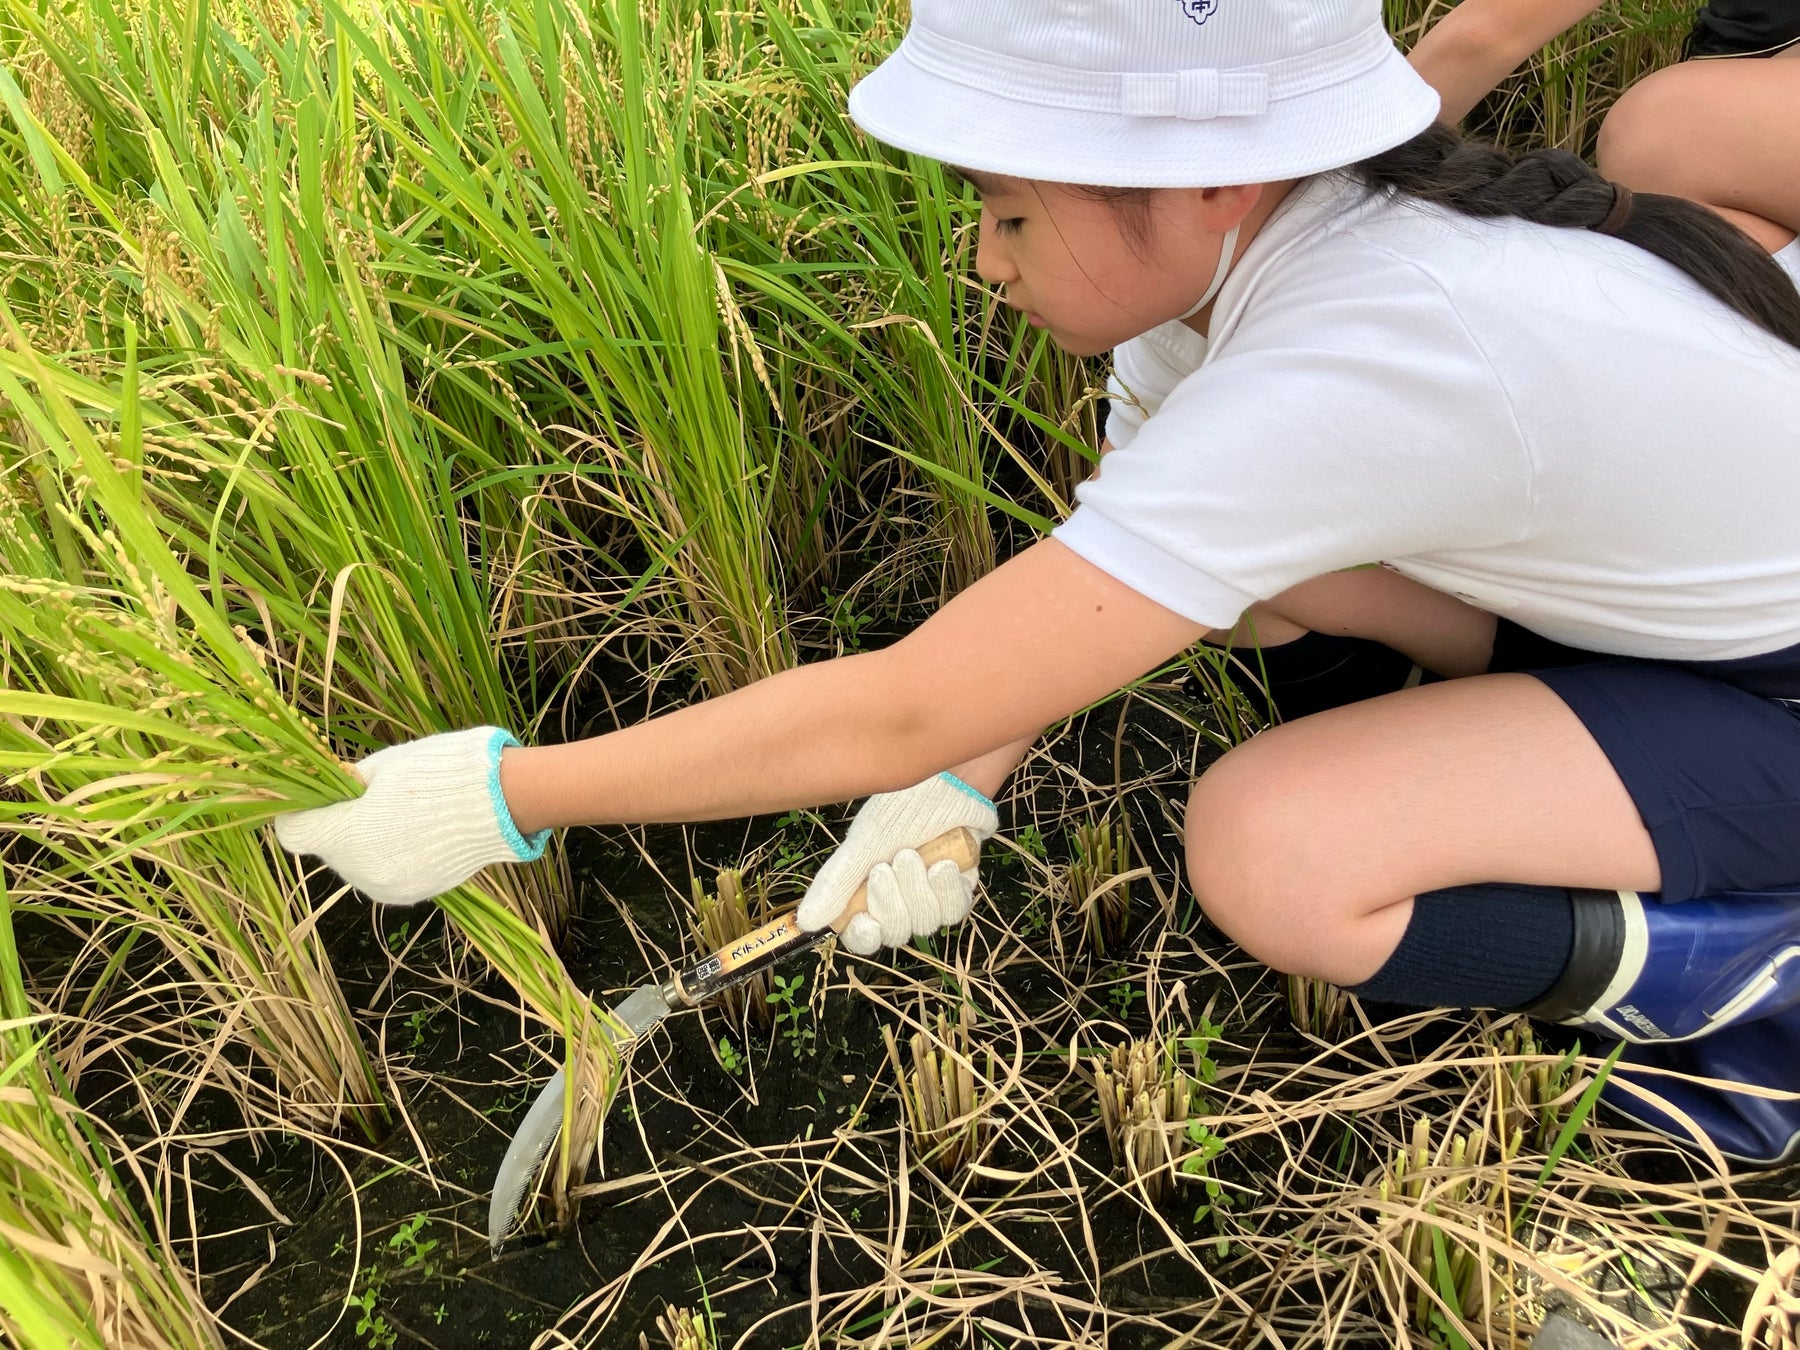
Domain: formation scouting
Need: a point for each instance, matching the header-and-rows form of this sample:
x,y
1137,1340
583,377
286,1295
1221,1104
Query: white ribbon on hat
x,y
1197,95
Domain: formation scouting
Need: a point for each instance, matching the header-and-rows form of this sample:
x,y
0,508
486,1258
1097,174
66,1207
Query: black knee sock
x,y
1317,671
1491,946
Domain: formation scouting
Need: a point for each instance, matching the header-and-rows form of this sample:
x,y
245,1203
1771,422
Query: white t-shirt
x,y
1789,258
1554,425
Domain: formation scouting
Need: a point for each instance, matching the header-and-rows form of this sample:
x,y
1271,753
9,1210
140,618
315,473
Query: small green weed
x,y
848,623
414,1248
371,1326
1034,919
729,1058
420,1024
1124,992
1196,1166
792,1016
793,838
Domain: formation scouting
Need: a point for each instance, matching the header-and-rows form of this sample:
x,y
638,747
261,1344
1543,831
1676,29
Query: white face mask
x,y
1226,256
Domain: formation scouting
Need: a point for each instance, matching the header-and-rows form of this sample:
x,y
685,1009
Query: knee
x,y
1242,841
1642,138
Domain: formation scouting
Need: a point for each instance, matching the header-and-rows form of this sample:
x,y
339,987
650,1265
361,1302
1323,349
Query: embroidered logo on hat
x,y
1199,10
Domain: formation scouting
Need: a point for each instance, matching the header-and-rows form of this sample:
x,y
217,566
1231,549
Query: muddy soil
x,y
396,1253
760,1180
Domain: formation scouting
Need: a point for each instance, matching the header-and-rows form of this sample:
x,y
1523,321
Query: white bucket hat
x,y
1146,93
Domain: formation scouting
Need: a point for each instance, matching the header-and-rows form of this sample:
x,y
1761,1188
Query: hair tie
x,y
1621,211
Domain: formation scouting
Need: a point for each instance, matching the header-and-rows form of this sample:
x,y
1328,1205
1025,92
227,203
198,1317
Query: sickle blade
x,y
536,1136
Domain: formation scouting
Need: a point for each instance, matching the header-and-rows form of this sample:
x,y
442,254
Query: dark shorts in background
x,y
1744,28
1708,750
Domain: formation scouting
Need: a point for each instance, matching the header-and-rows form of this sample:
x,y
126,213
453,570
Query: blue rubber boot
x,y
1765,1054
1646,972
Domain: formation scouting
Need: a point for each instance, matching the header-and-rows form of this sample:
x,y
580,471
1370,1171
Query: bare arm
x,y
1036,640
1481,42
989,773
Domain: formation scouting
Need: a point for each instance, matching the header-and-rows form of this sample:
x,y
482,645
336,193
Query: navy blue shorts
x,y
1709,751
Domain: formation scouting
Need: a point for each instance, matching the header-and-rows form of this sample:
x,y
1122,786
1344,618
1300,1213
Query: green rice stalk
x,y
215,749
596,251
1561,96
277,430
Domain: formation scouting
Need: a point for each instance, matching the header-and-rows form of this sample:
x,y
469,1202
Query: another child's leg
x,y
1725,133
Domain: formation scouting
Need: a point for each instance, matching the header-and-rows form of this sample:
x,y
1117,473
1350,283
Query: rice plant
x,y
370,370
1443,1202
593,253
78,1267
142,736
1534,1089
1772,1319
1152,1104
1097,882
682,1329
261,398
1317,1008
720,919
1563,94
209,746
948,1105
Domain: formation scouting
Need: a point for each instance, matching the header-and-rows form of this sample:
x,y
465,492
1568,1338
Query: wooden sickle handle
x,y
780,938
958,846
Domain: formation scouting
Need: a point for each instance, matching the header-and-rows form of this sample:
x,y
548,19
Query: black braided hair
x,y
1554,187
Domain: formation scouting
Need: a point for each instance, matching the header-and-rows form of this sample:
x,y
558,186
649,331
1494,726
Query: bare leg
x,y
1307,844
1724,133
1439,632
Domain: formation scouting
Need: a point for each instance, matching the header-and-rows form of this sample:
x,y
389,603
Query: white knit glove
x,y
432,817
906,899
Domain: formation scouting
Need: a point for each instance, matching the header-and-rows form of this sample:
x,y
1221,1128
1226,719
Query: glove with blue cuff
x,y
907,900
431,817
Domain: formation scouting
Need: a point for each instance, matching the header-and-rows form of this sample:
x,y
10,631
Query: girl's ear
x,y
1225,208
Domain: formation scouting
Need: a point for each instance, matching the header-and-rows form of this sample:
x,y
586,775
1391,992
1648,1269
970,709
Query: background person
x,y
1343,337
1721,129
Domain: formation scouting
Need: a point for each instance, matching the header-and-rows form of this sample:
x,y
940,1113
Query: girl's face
x,y
1079,266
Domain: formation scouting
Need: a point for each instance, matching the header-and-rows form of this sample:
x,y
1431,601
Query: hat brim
x,y
914,109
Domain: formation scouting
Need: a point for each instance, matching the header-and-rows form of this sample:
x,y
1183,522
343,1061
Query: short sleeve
x,y
1328,432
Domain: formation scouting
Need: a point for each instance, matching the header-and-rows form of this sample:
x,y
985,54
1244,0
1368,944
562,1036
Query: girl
x,y
1565,417
1720,131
